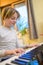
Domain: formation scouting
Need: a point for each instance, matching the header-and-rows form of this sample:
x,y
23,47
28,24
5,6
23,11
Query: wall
x,y
38,13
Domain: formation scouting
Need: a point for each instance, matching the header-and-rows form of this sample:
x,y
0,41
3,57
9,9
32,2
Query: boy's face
x,y
11,21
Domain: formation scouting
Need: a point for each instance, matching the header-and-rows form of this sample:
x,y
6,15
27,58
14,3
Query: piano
x,y
32,56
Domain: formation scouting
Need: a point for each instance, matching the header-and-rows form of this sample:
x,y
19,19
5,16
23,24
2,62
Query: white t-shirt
x,y
9,39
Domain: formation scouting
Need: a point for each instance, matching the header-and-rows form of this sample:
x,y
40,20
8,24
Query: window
x,y
23,20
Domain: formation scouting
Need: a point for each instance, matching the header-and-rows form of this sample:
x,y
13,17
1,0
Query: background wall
x,y
38,13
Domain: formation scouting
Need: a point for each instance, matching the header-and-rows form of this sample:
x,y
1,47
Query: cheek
x,y
9,22
12,22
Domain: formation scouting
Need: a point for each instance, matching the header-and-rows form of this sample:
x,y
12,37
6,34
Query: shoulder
x,y
3,31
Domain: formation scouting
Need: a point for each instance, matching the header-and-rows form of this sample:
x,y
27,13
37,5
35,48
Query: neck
x,y
6,24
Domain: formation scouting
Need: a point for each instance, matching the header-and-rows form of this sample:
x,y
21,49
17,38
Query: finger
x,y
17,51
21,50
14,52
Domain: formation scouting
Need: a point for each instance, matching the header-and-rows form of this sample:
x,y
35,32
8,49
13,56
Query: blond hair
x,y
8,12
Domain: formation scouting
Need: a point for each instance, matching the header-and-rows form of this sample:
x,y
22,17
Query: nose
x,y
14,21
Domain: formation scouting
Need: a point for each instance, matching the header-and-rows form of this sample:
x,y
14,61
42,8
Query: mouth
x,y
13,23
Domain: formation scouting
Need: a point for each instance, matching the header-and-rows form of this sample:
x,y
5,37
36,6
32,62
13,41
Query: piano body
x,y
32,56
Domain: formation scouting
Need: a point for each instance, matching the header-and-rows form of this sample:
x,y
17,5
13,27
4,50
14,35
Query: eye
x,y
13,18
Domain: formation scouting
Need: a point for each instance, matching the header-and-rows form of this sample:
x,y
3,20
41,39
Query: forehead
x,y
15,15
